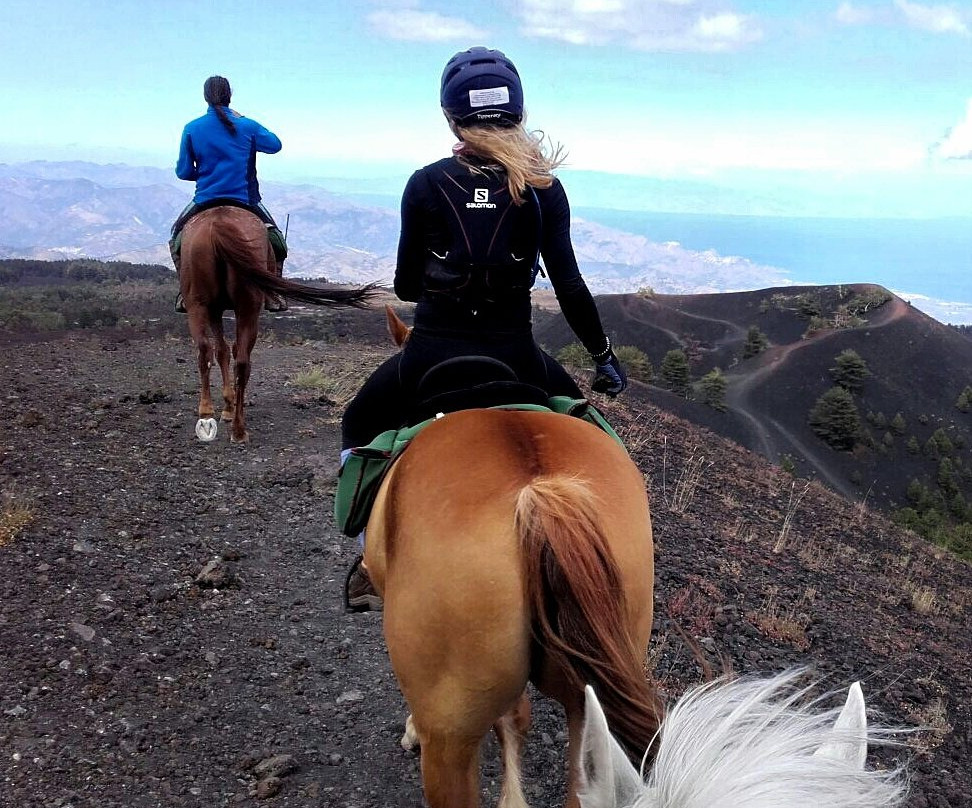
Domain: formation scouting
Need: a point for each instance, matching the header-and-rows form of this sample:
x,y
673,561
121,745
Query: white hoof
x,y
410,739
206,429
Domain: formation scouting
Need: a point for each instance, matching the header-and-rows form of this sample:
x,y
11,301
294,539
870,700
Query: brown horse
x,y
513,547
228,263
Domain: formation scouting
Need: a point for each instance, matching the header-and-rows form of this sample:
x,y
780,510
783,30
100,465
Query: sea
x,y
930,257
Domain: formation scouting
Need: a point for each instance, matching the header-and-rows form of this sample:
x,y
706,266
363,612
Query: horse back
x,y
216,244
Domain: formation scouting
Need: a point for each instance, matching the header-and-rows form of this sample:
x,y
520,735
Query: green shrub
x,y
850,371
964,402
835,419
756,342
675,372
574,355
713,386
636,363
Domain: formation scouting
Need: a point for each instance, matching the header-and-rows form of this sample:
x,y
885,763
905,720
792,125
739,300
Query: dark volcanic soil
x,y
129,680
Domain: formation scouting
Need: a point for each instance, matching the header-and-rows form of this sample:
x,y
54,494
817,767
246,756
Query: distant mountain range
x,y
57,210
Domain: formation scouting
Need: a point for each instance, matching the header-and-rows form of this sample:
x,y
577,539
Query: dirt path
x,y
774,442
130,681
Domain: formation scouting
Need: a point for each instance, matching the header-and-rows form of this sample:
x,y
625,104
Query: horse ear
x,y
398,330
850,729
607,778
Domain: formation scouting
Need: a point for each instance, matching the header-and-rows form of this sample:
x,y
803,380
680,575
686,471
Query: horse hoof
x,y
226,415
206,429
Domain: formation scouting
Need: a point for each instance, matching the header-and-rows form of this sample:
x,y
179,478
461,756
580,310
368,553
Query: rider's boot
x,y
359,592
272,301
175,252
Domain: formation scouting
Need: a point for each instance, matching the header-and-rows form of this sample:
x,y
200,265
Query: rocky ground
x,y
171,628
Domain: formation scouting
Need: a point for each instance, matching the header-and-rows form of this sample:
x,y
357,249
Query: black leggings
x,y
384,399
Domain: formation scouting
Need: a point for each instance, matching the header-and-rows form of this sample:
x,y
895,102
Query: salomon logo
x,y
480,199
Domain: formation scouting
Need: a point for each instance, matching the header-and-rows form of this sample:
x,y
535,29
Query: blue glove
x,y
609,376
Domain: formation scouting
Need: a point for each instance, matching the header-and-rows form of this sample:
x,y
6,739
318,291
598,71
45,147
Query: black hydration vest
x,y
489,249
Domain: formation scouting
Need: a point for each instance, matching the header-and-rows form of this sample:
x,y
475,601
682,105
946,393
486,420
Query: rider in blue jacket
x,y
218,152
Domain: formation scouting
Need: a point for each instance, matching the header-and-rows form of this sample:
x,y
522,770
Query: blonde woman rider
x,y
475,226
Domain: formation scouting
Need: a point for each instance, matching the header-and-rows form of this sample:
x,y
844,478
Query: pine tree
x,y
849,370
714,389
636,363
756,342
835,419
675,372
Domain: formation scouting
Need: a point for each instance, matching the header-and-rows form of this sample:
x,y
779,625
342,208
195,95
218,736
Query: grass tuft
x,y
14,517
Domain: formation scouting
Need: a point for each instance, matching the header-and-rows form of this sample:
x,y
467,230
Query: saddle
x,y
276,238
461,383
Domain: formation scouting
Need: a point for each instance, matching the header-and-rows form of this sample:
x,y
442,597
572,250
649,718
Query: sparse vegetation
x,y
14,517
636,363
850,371
675,372
786,625
687,481
793,502
964,402
756,342
574,355
713,386
835,419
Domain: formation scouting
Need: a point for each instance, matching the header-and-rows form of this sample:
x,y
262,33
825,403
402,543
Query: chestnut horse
x,y
510,547
228,263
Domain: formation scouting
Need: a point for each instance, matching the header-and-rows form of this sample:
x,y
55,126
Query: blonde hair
x,y
528,157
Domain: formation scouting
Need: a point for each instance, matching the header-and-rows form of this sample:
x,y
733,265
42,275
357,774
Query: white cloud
x,y
849,14
937,19
415,25
956,144
649,25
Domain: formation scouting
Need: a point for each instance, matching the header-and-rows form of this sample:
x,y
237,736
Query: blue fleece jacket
x,y
223,165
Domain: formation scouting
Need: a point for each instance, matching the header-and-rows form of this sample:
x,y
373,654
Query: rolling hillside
x,y
918,368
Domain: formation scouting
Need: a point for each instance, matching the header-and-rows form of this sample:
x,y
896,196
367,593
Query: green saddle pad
x,y
366,466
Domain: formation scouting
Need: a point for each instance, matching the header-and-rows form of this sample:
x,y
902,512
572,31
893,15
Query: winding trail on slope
x,y
734,332
774,441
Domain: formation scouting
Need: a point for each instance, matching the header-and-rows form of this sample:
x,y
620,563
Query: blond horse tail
x,y
578,605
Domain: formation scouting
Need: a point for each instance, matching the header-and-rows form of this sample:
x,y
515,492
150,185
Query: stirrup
x,y
180,304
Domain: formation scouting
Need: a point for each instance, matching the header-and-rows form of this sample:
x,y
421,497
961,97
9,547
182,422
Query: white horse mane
x,y
749,743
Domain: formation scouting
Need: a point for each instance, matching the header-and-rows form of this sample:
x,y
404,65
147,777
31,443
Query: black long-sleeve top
x,y
432,224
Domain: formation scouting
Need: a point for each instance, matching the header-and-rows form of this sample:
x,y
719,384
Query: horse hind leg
x,y
223,359
206,424
511,731
246,334
450,771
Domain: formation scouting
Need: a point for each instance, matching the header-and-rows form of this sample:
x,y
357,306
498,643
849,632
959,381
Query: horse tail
x,y
251,265
578,605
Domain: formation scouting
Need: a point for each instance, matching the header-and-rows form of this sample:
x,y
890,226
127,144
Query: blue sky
x,y
870,96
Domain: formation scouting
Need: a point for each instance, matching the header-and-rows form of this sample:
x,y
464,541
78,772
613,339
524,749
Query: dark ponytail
x,y
218,93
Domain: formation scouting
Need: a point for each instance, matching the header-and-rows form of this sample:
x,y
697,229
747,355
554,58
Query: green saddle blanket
x,y
366,466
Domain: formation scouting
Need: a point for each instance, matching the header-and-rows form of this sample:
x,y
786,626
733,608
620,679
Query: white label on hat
x,y
490,97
